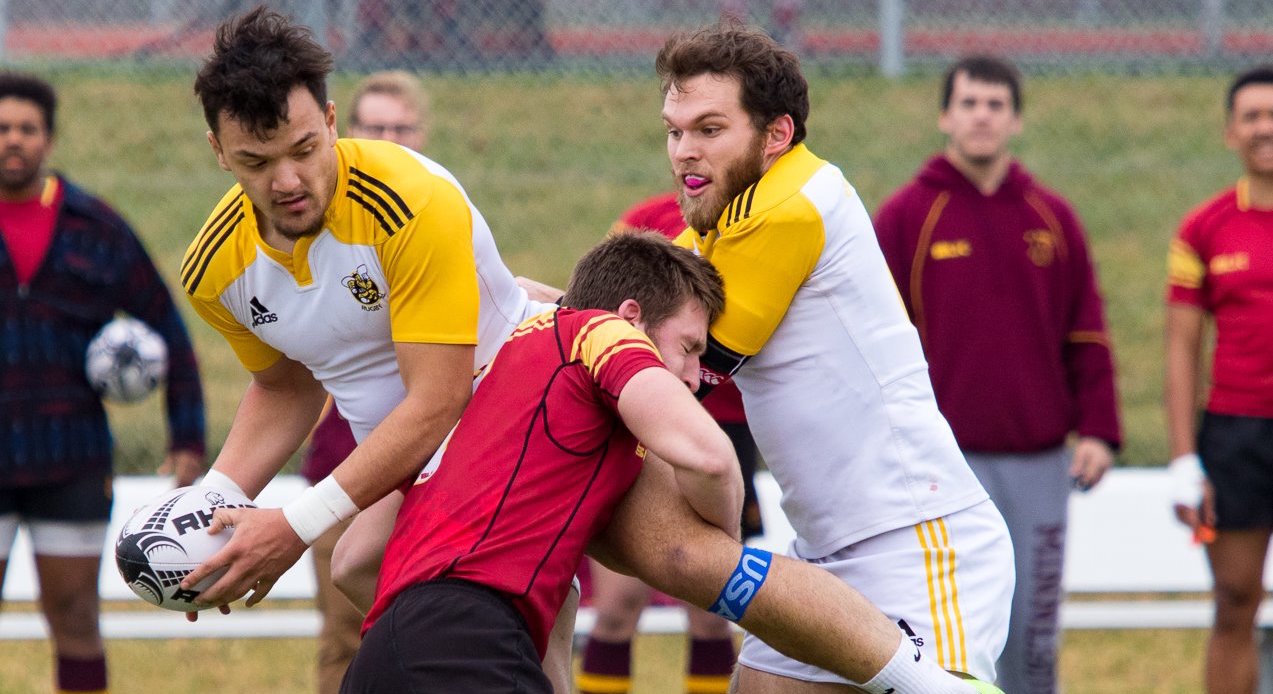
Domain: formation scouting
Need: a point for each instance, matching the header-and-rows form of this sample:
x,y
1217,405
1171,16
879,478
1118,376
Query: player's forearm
x,y
268,428
1180,383
717,497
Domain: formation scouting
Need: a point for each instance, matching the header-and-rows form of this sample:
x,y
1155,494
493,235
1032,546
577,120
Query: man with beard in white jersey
x,y
832,374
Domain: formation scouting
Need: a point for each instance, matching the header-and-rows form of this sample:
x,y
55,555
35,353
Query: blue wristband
x,y
748,577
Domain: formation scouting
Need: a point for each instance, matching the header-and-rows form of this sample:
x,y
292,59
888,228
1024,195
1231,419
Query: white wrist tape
x,y
1186,480
220,480
320,508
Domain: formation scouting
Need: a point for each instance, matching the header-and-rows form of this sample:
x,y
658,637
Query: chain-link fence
x,y
569,34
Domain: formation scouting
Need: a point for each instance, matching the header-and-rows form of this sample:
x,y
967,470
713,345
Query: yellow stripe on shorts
x,y
706,684
602,684
943,595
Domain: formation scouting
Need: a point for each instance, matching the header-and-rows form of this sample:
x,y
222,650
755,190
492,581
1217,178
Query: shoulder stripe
x,y
740,207
209,230
208,244
193,284
390,192
371,207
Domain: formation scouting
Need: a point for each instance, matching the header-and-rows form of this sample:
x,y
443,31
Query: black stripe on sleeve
x,y
393,195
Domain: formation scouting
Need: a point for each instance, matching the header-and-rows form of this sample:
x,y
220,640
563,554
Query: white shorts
x,y
946,582
55,538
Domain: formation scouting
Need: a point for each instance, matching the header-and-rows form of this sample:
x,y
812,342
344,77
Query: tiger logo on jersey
x,y
1040,247
364,289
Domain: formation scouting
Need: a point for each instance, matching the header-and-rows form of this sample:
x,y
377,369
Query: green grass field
x,y
551,162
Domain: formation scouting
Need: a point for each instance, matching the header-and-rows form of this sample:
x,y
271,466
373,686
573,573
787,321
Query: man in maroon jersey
x,y
994,270
488,538
1221,264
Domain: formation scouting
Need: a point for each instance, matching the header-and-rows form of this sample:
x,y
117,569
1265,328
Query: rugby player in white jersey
x,y
831,370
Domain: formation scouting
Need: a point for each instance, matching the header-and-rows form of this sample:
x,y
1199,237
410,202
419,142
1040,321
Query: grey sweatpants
x,y
1032,492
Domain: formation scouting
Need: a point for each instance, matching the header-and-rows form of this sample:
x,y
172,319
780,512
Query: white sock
x,y
908,673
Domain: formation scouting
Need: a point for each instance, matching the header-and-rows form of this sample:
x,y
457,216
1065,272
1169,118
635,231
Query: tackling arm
x,y
662,414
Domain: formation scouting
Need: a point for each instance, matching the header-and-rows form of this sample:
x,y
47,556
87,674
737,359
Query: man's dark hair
x,y
256,62
645,266
984,68
1260,74
772,84
31,88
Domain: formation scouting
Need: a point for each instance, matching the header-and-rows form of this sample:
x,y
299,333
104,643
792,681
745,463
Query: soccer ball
x,y
126,360
166,539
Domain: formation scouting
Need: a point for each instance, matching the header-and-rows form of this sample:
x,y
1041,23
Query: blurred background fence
x,y
450,35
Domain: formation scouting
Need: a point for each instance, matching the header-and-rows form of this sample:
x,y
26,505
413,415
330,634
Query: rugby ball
x,y
126,360
166,539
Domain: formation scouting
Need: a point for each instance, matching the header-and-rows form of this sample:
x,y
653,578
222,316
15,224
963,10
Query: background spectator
x,y
994,271
68,264
1221,265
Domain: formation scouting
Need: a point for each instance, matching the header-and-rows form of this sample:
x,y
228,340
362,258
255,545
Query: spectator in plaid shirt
x,y
68,263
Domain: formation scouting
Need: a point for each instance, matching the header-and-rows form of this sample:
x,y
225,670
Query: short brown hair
x,y
984,68
257,60
399,84
770,77
645,266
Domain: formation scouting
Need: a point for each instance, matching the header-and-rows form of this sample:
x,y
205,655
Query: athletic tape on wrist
x,y
318,509
220,480
748,577
1187,476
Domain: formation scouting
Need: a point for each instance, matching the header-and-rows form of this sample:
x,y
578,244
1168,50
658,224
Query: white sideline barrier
x,y
1122,538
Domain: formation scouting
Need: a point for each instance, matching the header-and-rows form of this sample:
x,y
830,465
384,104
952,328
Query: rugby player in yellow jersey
x,y
831,370
352,267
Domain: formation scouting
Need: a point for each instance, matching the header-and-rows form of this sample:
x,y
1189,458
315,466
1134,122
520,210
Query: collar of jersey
x,y
295,263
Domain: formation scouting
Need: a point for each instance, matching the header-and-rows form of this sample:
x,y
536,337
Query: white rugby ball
x,y
166,539
126,360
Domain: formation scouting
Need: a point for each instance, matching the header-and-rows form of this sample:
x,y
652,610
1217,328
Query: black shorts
x,y
84,499
450,637
745,449
1237,453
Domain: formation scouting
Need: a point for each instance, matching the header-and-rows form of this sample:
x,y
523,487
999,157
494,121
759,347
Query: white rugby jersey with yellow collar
x,y
832,373
403,256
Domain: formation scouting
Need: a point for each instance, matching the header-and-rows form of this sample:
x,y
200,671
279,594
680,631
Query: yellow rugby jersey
x,y
834,379
403,256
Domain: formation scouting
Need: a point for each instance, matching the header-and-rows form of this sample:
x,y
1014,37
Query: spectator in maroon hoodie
x,y
995,273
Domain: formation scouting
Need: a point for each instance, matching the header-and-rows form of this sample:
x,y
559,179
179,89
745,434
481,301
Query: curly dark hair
x,y
257,60
31,88
643,265
772,84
